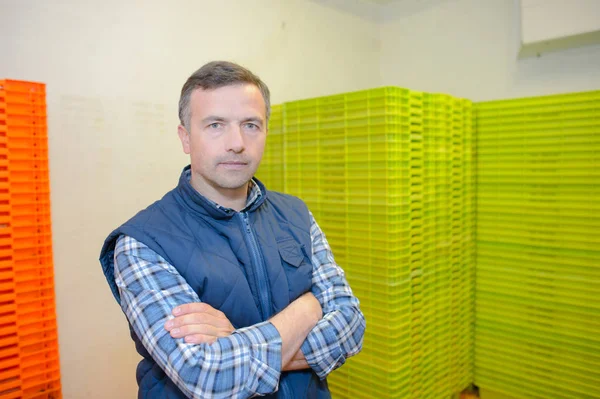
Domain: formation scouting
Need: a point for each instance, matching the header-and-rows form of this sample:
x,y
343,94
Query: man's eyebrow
x,y
214,118
253,119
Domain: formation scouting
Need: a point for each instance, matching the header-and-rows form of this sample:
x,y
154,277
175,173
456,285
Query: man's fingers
x,y
299,356
203,338
184,331
195,307
200,339
198,318
199,329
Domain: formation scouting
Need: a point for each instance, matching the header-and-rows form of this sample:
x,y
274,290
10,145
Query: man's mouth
x,y
234,164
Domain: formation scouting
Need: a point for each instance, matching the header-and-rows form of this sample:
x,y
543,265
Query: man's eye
x,y
214,125
251,126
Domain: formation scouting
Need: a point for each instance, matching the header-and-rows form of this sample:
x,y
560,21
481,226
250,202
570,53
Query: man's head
x,y
223,111
215,75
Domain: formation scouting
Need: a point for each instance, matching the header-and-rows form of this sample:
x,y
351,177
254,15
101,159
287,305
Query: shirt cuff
x,y
322,350
264,342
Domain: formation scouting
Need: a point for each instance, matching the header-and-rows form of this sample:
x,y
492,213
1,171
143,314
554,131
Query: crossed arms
x,y
206,357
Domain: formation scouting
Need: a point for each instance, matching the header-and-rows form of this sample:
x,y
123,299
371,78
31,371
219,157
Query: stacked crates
x,y
29,360
437,153
380,170
421,287
538,249
369,221
448,236
270,171
465,304
302,170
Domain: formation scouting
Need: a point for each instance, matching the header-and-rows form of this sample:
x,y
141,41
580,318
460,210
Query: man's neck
x,y
234,198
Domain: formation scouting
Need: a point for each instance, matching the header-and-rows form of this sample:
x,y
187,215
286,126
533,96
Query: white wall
x,y
113,71
546,20
469,48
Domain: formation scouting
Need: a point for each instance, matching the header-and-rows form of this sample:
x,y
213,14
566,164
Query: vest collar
x,y
198,203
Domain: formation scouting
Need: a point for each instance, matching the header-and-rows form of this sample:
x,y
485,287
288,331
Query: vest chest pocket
x,y
297,267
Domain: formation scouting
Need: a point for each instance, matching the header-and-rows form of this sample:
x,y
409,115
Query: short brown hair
x,y
214,75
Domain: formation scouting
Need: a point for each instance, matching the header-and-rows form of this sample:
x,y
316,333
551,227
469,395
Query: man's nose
x,y
235,140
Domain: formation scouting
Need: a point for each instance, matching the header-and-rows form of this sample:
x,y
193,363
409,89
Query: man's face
x,y
226,138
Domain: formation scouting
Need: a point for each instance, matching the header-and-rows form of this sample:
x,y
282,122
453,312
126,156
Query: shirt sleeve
x,y
245,364
339,334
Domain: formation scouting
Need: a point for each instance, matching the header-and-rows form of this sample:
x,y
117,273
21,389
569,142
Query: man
x,y
230,290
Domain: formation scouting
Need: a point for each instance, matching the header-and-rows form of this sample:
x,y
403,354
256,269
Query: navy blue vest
x,y
212,248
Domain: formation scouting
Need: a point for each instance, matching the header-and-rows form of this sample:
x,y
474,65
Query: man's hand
x,y
294,323
198,323
298,362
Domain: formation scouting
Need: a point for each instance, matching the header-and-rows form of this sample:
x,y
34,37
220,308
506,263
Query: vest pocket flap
x,y
291,252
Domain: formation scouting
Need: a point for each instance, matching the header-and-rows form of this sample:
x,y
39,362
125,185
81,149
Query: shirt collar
x,y
254,194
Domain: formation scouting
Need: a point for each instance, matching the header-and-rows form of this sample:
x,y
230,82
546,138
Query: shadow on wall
x,y
381,10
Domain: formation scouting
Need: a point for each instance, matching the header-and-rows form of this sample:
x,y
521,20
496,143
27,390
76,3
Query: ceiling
x,y
374,10
381,1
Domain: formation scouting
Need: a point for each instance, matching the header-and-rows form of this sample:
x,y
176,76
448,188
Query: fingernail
x,y
176,311
189,339
169,325
175,331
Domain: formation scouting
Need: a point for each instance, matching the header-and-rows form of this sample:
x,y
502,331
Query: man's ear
x,y
184,136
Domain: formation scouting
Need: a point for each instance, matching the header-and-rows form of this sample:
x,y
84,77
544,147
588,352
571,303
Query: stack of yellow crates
x,y
387,173
538,249
271,171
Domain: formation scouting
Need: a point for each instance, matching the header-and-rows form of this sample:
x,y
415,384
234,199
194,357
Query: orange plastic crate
x,y
9,342
19,86
23,120
22,97
29,355
23,108
30,231
24,131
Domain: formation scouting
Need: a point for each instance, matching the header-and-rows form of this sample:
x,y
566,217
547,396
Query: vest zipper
x,y
262,284
261,278
284,389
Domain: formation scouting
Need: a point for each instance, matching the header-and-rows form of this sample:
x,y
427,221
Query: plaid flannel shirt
x,y
248,362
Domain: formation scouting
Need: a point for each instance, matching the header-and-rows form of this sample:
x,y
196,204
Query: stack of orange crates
x,y
29,362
